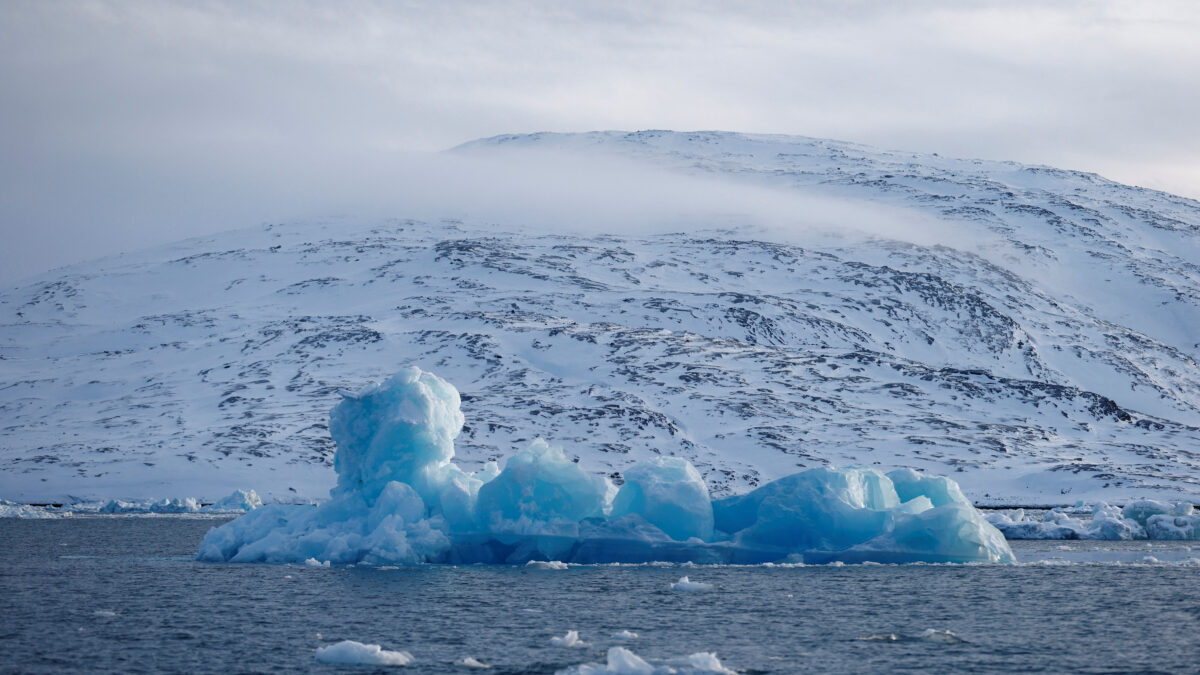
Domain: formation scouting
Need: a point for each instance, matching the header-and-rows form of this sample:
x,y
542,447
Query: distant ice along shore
x,y
400,498
240,501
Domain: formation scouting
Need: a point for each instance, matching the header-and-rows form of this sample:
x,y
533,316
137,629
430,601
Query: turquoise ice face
x,y
401,499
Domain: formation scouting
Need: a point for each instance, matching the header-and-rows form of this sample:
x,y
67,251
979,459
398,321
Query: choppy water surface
x,y
124,595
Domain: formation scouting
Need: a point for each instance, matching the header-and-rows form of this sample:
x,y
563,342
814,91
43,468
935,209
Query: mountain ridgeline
x,y
1052,359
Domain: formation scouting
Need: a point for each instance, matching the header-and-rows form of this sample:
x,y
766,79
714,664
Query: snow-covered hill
x,y
1051,357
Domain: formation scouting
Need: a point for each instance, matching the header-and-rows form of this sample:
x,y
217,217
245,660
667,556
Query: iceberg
x,y
400,499
239,501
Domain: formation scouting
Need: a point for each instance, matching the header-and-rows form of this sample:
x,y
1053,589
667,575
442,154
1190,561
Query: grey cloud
x,y
126,123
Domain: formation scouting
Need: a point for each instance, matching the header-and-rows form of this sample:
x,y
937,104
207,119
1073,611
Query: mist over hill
x,y
755,304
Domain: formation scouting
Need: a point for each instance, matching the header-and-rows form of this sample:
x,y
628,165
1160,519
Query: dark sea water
x,y
123,595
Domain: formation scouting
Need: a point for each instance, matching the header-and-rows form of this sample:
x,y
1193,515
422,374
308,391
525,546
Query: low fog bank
x,y
97,208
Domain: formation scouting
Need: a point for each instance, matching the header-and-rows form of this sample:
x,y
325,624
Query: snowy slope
x,y
1053,360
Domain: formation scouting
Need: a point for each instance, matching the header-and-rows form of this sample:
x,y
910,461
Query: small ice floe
x,y
351,653
688,585
104,612
469,662
625,635
927,635
624,662
931,635
1150,559
313,562
546,565
571,639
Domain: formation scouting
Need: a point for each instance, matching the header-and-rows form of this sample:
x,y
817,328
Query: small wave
x,y
927,635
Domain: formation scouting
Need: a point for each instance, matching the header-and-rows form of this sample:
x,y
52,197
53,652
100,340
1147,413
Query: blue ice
x,y
400,498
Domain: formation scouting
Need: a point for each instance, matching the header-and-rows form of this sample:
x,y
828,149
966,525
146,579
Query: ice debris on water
x,y
686,585
240,501
400,499
546,565
1141,519
313,562
571,639
473,663
14,510
351,653
927,635
625,635
621,661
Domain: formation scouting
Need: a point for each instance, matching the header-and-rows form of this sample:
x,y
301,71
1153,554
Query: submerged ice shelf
x,y
400,498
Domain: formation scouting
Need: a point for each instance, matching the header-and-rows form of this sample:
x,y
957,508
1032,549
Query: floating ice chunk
x,y
351,653
473,663
240,501
670,494
1111,523
945,636
625,635
1185,528
313,562
687,585
571,639
621,661
539,487
546,565
14,510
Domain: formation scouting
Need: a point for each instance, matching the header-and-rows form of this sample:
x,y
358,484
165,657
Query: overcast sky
x,y
131,123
